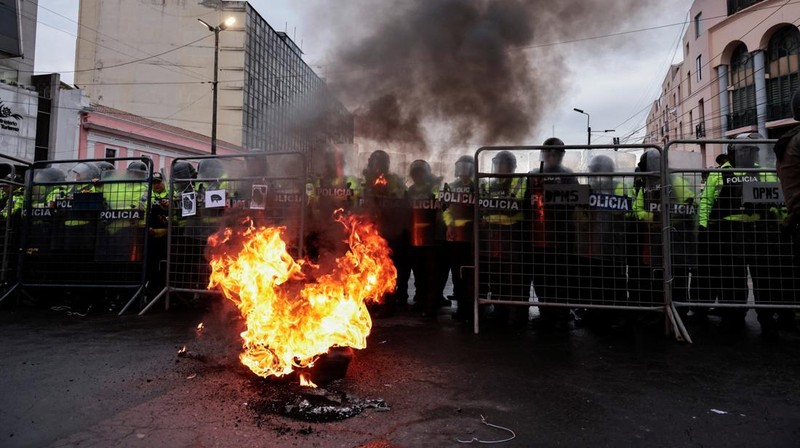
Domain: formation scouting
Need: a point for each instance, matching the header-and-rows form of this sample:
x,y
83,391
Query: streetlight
x,y
588,127
216,29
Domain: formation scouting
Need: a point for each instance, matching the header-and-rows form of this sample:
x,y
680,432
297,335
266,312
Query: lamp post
x,y
588,127
216,30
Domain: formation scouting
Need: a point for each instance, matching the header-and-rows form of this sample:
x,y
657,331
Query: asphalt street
x,y
102,381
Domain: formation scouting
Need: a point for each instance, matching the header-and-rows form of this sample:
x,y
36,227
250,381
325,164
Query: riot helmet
x,y
210,169
420,171
49,175
136,170
601,163
182,172
465,166
743,154
104,166
378,163
84,171
504,163
553,155
796,105
554,141
650,161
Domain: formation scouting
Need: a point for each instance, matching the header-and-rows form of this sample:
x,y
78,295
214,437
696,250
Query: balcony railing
x,y
779,111
700,130
735,6
747,117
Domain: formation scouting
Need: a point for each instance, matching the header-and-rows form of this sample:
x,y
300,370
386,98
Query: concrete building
x,y
740,67
18,99
154,60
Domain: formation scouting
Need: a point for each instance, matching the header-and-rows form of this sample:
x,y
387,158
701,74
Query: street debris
x,y
476,440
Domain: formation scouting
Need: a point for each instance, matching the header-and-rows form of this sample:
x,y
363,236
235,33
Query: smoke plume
x,y
476,70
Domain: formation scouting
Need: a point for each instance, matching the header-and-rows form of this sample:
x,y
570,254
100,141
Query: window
x,y
783,66
111,153
689,83
743,90
698,68
698,25
735,6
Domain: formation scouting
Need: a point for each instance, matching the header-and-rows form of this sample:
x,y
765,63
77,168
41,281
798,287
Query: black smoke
x,y
482,69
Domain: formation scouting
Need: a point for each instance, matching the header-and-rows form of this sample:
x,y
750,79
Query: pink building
x,y
741,65
106,132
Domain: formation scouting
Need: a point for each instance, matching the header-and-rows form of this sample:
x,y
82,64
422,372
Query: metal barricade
x,y
582,237
729,251
268,187
12,191
83,227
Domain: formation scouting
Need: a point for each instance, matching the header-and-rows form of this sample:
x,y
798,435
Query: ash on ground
x,y
307,404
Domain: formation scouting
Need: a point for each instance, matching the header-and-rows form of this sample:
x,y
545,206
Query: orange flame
x,y
381,181
293,319
306,382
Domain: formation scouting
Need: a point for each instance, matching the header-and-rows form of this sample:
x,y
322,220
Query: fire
x,y
306,382
294,313
182,350
381,181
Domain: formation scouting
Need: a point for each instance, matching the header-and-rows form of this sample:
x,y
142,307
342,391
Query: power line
x,y
700,89
191,72
40,22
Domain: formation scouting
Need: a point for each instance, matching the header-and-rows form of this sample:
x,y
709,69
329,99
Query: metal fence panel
x,y
735,254
268,187
84,227
570,233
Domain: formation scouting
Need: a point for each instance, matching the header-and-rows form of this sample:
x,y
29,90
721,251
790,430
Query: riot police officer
x,y
502,256
601,240
331,190
385,199
458,203
738,236
553,237
426,255
648,282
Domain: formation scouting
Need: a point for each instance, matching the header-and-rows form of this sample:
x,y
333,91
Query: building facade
x,y
740,68
18,97
154,60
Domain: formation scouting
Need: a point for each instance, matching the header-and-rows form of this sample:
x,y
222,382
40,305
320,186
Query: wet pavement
x,y
101,381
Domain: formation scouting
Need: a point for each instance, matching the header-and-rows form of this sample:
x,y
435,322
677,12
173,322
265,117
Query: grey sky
x,y
611,78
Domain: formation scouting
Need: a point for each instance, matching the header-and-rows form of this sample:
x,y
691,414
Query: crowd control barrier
x,y
269,187
730,251
579,230
83,227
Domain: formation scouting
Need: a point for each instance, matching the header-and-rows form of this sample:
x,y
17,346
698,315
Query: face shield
x,y
83,171
504,163
601,164
465,168
552,158
744,156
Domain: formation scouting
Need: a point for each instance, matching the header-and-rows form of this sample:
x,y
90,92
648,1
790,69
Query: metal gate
x,y
589,236
206,191
735,255
83,227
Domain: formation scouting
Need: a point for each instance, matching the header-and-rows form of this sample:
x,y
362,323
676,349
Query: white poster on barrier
x,y
188,204
215,198
258,198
